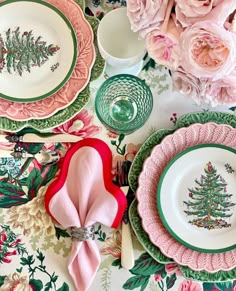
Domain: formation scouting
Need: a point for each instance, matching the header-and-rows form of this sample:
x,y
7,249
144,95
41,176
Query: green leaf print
x,y
135,282
11,195
170,281
217,286
145,265
64,287
37,284
2,280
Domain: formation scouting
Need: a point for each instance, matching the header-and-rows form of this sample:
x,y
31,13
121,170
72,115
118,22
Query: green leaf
x,y
23,261
37,284
50,174
121,137
150,64
54,277
11,190
34,182
135,282
145,265
27,261
232,108
19,270
170,281
7,202
48,286
61,232
2,280
123,150
104,236
113,142
40,256
64,287
116,263
32,148
207,286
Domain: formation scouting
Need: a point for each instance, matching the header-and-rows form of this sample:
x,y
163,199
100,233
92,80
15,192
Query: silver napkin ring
x,y
83,233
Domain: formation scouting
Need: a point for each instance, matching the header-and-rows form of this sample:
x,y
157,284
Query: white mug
x,y
119,46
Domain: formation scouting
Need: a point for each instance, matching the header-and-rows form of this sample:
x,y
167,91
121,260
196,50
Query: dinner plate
x,y
157,255
77,82
196,198
79,100
148,181
38,50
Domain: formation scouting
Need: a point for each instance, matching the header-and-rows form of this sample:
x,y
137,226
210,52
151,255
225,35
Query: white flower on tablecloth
x,y
32,217
16,282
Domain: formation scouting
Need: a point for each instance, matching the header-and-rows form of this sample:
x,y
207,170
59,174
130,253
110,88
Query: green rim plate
x,y
71,34
136,168
69,112
172,187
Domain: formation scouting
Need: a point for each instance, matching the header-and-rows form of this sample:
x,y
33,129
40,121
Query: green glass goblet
x,y
123,103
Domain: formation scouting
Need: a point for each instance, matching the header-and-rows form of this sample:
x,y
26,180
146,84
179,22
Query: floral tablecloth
x,y
34,252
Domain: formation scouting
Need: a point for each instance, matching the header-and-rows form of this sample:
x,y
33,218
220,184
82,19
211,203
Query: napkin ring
x,y
83,233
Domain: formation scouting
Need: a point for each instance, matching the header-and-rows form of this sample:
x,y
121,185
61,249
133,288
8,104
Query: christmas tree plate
x,y
38,50
80,77
196,198
153,167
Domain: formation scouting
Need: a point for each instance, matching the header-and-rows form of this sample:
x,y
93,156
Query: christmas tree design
x,y
209,203
21,51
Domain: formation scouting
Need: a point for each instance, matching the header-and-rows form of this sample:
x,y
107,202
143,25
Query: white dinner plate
x,y
196,198
38,50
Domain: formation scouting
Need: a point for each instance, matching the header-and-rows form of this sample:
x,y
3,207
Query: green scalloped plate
x,y
136,168
69,112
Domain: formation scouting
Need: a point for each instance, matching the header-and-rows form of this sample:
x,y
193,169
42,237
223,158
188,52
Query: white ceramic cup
x,y
119,46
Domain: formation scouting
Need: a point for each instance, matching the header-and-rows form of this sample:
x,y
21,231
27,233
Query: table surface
x,y
33,250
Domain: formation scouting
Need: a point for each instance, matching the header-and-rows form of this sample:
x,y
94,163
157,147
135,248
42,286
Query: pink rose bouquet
x,y
195,40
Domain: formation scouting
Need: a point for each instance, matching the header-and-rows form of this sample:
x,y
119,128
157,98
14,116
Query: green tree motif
x,y
209,201
21,51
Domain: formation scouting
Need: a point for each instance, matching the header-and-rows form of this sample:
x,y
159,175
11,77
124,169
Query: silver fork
x,y
127,254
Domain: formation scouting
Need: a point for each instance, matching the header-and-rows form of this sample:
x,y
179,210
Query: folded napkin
x,y
82,195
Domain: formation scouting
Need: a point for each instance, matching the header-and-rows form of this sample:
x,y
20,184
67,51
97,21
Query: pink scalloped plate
x,y
78,80
153,167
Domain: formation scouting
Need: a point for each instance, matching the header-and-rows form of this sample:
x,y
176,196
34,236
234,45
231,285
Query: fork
x,y
127,254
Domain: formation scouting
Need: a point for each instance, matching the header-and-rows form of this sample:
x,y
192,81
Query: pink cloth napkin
x,y
82,195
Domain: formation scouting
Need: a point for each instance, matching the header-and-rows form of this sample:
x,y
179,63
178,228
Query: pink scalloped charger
x,y
153,167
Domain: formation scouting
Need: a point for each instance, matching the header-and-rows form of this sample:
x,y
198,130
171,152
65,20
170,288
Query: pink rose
x,y
145,14
186,10
192,11
209,50
221,92
188,285
189,86
164,47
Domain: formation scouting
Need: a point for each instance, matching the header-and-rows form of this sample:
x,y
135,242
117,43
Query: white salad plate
x,y
196,198
38,50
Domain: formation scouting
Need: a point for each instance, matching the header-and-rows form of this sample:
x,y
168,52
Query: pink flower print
x,y
132,150
157,277
80,125
112,245
188,285
112,135
173,268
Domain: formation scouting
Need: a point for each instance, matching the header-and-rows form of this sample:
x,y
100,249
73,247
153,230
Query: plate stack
x,y
185,207
47,59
